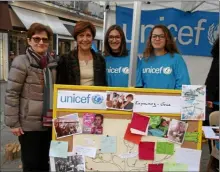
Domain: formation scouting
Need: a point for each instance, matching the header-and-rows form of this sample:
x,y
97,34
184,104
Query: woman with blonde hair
x,y
162,66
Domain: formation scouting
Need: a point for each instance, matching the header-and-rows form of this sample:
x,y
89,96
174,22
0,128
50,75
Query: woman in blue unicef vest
x,y
117,57
162,66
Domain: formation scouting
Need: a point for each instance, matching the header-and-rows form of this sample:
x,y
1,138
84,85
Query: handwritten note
x,y
174,167
157,104
86,151
193,102
58,149
165,148
128,155
108,144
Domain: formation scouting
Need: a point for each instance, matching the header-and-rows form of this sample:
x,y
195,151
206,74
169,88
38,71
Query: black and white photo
x,y
73,163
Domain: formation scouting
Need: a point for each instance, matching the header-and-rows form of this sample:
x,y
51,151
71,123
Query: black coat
x,y
212,80
68,69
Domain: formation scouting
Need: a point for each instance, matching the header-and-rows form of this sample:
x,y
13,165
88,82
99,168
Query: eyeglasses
x,y
158,36
38,39
111,38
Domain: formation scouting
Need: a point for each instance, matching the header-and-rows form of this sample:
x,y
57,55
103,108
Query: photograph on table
x,y
73,162
176,131
120,101
93,123
67,125
158,126
211,132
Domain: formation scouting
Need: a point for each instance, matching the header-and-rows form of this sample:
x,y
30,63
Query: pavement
x,y
7,137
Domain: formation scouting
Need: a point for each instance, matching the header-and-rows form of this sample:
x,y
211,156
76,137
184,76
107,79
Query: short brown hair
x,y
81,26
170,45
37,28
107,48
130,95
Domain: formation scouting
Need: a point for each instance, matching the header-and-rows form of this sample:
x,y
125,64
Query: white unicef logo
x,y
167,70
125,70
213,33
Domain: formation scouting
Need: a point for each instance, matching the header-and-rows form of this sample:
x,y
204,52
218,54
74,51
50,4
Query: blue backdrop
x,y
194,32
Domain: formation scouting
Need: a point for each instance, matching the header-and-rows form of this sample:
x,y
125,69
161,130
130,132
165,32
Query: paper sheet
x,y
175,167
58,149
191,157
139,124
164,148
86,151
134,138
108,144
155,167
146,150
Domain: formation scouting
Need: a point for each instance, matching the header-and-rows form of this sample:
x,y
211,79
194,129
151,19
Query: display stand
x,y
115,122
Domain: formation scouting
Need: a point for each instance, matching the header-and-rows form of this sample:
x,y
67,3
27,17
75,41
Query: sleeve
x,y
103,69
181,72
62,71
139,82
16,79
104,72
212,80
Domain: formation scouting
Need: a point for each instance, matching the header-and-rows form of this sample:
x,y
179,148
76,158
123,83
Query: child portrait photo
x,y
176,131
93,123
120,101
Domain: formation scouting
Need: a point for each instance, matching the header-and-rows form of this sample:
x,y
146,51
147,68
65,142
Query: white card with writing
x,y
157,104
86,151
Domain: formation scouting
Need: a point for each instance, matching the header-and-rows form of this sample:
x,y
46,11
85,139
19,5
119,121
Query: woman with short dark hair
x,y
82,66
28,100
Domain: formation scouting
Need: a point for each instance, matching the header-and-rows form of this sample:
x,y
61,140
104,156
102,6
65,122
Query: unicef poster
x,y
194,32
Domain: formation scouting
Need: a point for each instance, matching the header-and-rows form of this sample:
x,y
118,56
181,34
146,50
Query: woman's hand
x,y
17,131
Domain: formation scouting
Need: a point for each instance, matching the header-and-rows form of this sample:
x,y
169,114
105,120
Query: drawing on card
x,y
193,102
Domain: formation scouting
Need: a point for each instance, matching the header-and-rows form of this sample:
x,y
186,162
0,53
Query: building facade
x,y
60,16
